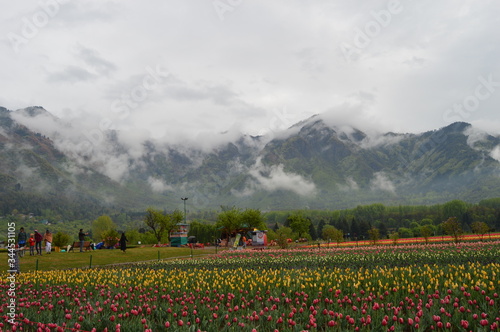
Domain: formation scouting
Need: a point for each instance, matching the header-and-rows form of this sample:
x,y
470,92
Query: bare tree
x,y
394,237
452,227
374,235
480,227
426,232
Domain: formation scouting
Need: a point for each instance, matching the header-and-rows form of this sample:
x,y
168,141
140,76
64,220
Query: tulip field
x,y
435,287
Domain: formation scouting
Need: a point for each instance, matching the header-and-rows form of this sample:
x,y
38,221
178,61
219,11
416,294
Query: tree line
x,y
359,223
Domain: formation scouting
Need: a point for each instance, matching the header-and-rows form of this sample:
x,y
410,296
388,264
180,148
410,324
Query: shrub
x,y
110,238
283,234
61,239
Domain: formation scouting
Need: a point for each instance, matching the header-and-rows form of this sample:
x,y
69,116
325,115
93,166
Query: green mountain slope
x,y
311,165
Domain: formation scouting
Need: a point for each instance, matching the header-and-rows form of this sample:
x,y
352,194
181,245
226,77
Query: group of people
x,y
34,242
35,239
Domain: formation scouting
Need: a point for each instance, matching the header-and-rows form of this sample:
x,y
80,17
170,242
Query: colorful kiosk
x,y
179,235
259,238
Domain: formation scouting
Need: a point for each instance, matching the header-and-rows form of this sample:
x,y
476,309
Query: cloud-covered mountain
x,y
46,163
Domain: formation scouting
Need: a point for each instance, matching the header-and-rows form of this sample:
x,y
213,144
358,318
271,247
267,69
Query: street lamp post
x,y
185,215
185,221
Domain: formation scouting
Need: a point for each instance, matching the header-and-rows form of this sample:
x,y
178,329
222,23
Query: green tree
x,y
383,230
452,227
229,220
148,238
492,203
405,232
312,232
203,232
299,224
356,229
455,208
480,227
319,230
154,219
426,221
253,218
332,233
162,223
133,236
101,225
364,227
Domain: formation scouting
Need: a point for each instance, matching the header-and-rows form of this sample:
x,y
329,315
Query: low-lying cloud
x,y
350,184
475,135
158,185
382,182
274,177
495,153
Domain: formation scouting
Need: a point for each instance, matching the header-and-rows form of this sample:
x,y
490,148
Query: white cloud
x,y
274,177
475,135
157,185
86,144
386,139
350,184
382,182
25,172
495,153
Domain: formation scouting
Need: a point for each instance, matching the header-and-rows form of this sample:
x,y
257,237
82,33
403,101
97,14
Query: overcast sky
x,y
180,69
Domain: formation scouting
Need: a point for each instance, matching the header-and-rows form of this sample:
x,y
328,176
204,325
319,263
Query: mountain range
x,y
48,164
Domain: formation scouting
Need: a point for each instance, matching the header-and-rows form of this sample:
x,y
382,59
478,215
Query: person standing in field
x,y
48,241
31,242
38,242
22,237
81,238
123,242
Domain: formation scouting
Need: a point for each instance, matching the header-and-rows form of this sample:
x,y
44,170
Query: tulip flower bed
x,y
351,257
414,288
